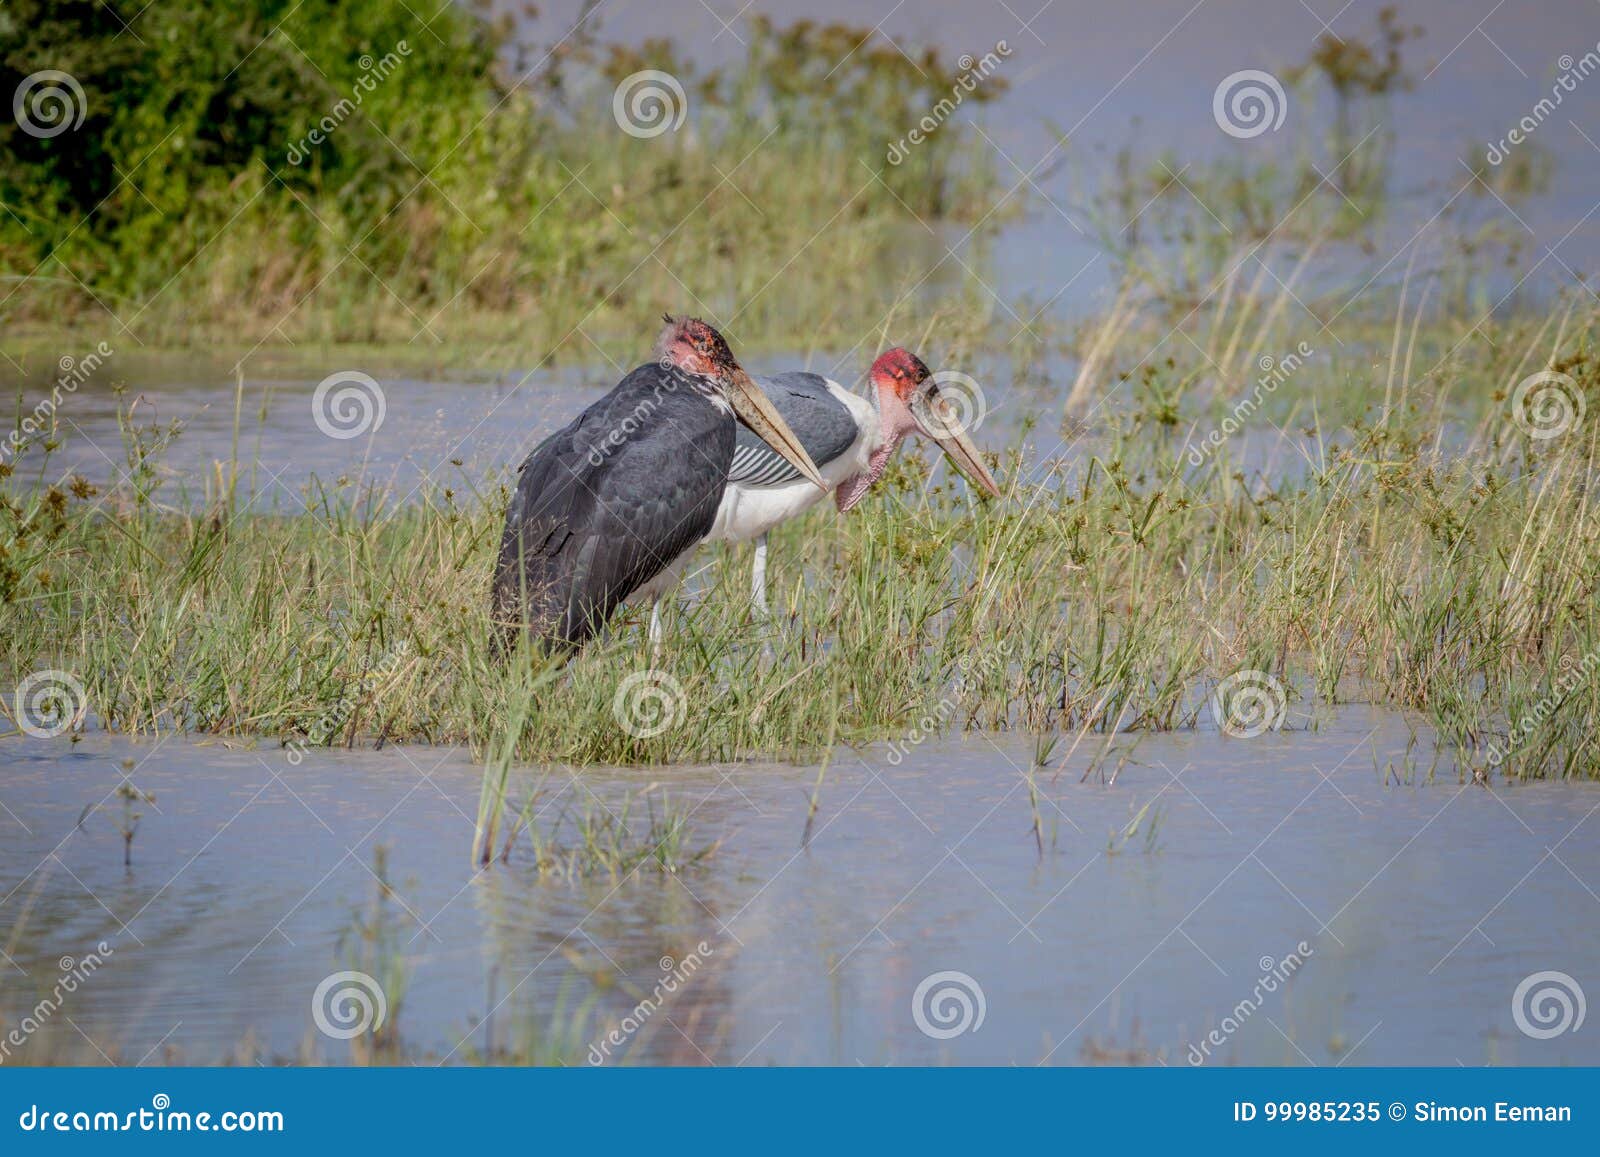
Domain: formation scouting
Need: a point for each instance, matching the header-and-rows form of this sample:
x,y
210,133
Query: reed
x,y
1435,559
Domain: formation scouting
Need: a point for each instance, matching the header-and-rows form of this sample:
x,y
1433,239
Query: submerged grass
x,y
1345,488
1433,558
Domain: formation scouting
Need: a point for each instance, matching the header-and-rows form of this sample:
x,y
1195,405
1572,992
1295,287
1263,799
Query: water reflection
x,y
249,874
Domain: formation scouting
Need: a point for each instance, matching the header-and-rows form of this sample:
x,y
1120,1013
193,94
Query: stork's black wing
x,y
607,503
822,423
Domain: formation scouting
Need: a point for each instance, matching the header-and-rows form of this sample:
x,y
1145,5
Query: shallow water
x,y
436,428
1421,906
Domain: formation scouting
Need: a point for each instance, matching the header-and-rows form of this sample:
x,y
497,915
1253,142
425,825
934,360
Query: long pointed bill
x,y
757,411
944,427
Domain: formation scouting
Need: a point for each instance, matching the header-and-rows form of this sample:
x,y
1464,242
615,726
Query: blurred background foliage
x,y
483,175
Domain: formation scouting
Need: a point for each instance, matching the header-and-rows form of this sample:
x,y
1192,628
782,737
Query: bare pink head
x,y
909,403
695,347
897,375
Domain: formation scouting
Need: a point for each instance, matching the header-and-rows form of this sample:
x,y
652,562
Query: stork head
x,y
693,346
696,349
909,403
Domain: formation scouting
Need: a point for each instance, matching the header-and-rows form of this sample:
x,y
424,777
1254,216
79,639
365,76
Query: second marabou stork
x,y
606,507
849,437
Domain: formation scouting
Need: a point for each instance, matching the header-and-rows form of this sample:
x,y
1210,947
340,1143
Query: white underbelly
x,y
748,512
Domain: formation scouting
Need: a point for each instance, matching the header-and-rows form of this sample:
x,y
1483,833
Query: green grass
x,y
1436,560
1408,543
467,202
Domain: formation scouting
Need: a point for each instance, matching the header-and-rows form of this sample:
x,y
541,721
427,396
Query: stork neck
x,y
852,488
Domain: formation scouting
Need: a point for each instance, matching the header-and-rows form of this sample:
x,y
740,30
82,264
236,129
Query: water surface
x,y
1421,905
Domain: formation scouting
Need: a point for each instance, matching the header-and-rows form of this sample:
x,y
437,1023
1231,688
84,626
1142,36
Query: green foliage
x,y
336,171
193,113
1109,594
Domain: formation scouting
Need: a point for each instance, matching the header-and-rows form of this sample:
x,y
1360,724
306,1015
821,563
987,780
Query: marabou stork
x,y
851,439
605,507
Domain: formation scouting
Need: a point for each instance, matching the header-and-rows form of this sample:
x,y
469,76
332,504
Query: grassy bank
x,y
317,172
1279,470
1432,556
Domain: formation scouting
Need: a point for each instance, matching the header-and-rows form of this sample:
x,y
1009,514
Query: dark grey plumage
x,y
824,426
609,502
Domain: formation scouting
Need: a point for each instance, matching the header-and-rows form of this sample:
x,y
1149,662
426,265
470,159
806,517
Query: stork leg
x,y
758,578
655,626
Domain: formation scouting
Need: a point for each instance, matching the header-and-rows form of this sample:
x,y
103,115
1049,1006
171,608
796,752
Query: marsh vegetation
x,y
1274,449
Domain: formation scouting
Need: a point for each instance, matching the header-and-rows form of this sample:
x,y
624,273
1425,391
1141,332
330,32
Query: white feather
x,y
749,511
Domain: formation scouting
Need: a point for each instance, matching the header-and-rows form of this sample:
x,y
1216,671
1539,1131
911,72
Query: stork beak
x,y
945,429
757,411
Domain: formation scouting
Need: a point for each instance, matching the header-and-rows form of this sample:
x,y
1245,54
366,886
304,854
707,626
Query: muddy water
x,y
1277,892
